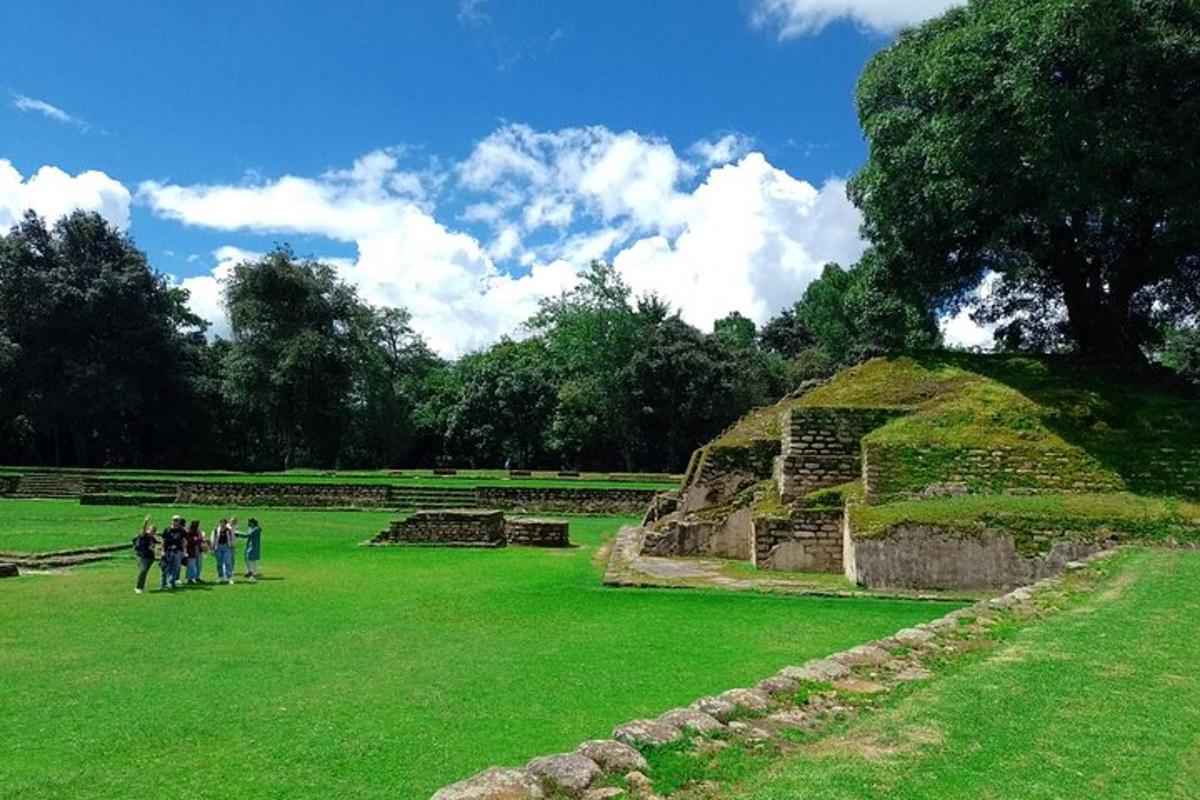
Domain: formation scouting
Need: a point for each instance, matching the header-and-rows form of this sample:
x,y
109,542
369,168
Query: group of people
x,y
182,547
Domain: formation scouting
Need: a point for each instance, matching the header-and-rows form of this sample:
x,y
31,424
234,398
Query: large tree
x,y
290,363
98,352
1052,142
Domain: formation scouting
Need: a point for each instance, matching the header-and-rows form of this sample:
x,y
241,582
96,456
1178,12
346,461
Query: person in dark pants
x,y
174,539
194,549
143,547
253,539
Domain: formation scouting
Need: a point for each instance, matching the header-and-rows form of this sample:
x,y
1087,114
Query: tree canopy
x,y
1051,142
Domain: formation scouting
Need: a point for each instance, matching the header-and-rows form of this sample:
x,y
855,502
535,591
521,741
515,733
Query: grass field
x,y
1099,701
353,672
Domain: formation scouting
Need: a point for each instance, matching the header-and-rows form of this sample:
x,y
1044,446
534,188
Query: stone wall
x,y
807,541
254,495
893,472
728,537
8,483
146,486
938,557
452,527
565,499
822,447
537,532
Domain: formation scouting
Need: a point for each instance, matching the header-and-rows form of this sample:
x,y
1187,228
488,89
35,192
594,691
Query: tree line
x,y
103,364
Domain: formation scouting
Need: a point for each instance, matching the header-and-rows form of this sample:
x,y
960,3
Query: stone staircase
x,y
49,485
431,497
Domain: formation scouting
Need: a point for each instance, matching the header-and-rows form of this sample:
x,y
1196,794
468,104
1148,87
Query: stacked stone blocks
x,y
470,527
809,540
821,447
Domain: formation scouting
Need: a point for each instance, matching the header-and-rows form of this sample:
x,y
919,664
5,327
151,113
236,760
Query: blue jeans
x,y
195,564
172,560
144,565
224,562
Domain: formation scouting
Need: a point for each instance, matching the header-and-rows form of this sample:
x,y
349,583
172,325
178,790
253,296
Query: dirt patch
x,y
877,745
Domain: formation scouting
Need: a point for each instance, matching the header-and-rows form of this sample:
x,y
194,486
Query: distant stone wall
x,y
1163,470
939,557
8,484
537,532
452,527
565,499
822,447
146,486
893,472
255,495
124,499
808,541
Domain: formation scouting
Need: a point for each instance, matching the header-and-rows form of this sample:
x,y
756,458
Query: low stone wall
x,y
454,527
8,570
537,532
284,494
8,484
124,499
937,557
807,541
898,471
565,499
114,485
730,537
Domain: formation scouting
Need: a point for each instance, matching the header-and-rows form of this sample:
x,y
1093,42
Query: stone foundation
x,y
565,500
469,527
452,527
821,447
730,537
537,532
935,557
808,541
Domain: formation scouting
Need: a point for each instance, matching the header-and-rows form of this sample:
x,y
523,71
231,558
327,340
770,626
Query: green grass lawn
x,y
357,672
1101,700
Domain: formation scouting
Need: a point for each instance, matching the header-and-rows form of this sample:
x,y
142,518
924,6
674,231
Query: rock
x,y
570,773
639,785
604,793
690,718
494,784
777,685
754,733
716,707
646,731
819,671
913,637
909,674
865,655
1072,566
612,756
856,685
747,699
789,718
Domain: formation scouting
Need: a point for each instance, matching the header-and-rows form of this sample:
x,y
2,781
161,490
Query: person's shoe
x,y
137,591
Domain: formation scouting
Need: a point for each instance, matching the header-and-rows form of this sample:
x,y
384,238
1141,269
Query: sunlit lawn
x,y
356,672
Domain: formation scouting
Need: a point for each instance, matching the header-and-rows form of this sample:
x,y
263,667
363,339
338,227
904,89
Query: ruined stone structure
x,y
821,447
928,556
806,541
471,527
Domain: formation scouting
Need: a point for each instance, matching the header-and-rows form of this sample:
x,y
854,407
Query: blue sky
x,y
459,157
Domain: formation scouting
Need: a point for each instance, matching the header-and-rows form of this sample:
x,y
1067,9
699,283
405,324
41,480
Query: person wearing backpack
x,y
143,547
173,541
195,545
223,541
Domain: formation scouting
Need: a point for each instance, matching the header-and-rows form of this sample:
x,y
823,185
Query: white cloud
x,y
53,193
741,235
471,12
960,330
32,104
729,147
792,18
204,291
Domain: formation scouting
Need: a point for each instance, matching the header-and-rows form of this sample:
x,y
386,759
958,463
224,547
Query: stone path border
x,y
58,559
806,698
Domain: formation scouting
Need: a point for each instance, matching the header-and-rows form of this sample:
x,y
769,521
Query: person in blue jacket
x,y
253,549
